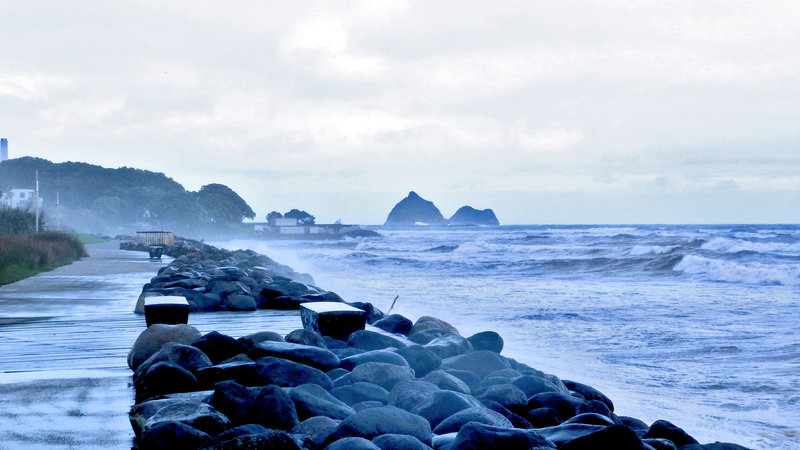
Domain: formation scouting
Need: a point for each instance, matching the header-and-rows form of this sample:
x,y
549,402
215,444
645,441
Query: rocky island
x,y
397,384
414,210
467,215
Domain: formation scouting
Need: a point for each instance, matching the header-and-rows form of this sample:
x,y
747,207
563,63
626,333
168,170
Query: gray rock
x,y
486,340
273,408
667,430
383,374
352,443
447,382
507,395
589,393
399,442
481,362
516,420
306,337
316,357
336,373
373,422
312,400
408,394
477,436
561,434
425,336
236,432
172,435
478,414
382,356
233,400
164,378
591,419
367,404
422,360
566,405
270,439
666,444
261,336
287,373
371,340
197,415
219,347
239,302
360,392
394,323
532,385
156,336
449,345
614,436
185,356
428,323
442,404
316,428
470,379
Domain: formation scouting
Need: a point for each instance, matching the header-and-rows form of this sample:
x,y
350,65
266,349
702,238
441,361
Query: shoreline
x,y
467,352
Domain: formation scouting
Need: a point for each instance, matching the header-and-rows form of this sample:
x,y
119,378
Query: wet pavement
x,y
64,340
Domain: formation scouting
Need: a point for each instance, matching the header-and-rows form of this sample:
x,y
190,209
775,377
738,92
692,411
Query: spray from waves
x,y
725,245
733,272
639,250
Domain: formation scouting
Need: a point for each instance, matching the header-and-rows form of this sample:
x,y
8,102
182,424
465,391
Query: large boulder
x,y
447,382
383,374
273,408
372,422
486,340
219,347
306,337
312,400
478,414
352,443
399,442
185,356
532,385
478,436
449,345
507,395
284,373
165,378
614,436
382,356
172,435
422,360
667,430
589,393
197,415
155,336
233,400
561,434
567,406
309,355
432,323
414,210
361,392
316,428
395,323
442,404
372,340
269,439
408,394
481,363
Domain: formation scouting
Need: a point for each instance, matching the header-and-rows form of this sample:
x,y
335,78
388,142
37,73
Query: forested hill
x,y
98,199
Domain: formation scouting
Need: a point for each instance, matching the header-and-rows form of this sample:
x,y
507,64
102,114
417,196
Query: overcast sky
x,y
547,112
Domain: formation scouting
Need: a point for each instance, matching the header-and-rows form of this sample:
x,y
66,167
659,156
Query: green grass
x,y
22,256
90,239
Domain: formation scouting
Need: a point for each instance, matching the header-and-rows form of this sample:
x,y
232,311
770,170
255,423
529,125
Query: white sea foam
x,y
721,244
639,250
731,272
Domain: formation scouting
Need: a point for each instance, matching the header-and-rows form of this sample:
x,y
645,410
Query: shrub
x,y
25,255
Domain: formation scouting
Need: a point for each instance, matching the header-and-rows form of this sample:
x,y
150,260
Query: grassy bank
x,y
22,256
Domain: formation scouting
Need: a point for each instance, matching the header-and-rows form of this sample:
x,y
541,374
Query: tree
x,y
223,207
303,218
274,215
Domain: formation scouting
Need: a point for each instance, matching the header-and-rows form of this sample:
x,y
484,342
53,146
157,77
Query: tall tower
x,y
3,149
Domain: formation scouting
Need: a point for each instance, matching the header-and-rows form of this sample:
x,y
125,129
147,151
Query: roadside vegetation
x,y
24,253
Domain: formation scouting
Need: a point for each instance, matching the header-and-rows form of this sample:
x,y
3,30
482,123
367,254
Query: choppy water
x,y
698,325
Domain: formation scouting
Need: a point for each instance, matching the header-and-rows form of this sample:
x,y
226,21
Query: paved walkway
x,y
64,340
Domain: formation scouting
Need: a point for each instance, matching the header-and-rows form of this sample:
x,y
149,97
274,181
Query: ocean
x,y
698,325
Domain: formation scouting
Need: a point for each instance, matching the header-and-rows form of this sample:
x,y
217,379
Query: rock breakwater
x,y
396,385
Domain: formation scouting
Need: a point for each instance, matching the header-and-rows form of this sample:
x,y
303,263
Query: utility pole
x,y
36,200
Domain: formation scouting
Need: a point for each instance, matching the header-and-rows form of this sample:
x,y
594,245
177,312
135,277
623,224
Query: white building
x,y
20,198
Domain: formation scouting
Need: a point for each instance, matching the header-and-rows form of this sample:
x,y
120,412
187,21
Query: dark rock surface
x,y
414,209
467,215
